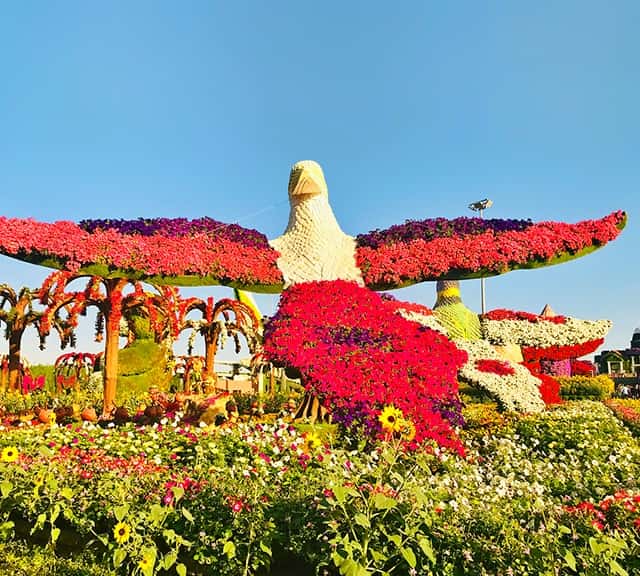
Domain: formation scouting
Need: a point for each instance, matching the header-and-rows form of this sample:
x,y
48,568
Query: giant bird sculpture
x,y
312,248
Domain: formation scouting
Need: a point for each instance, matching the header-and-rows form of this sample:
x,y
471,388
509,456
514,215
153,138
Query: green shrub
x,y
270,404
140,357
586,387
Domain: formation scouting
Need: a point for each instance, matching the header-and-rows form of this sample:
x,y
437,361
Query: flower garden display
x,y
109,297
226,318
167,491
17,313
554,492
314,248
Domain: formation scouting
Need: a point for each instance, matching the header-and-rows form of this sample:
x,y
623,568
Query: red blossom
x,y
531,354
495,367
357,355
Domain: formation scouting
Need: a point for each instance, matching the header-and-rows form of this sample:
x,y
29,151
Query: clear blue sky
x,y
414,109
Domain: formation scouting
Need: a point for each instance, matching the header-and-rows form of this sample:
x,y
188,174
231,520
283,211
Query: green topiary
x,y
460,322
141,365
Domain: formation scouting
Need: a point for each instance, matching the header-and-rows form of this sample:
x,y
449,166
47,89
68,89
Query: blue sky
x,y
414,109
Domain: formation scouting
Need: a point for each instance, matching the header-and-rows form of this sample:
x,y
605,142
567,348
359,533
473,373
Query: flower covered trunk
x,y
210,346
111,350
14,359
112,314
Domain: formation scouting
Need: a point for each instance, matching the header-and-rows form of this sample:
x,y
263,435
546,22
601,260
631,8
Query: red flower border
x,y
499,367
561,352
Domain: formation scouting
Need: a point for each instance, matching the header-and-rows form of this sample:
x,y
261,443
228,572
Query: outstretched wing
x,y
178,252
440,249
544,337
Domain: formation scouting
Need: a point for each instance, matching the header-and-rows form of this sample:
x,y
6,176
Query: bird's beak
x,y
306,180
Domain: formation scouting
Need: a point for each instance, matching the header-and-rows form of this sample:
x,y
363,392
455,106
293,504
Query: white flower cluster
x,y
544,333
509,468
430,321
518,391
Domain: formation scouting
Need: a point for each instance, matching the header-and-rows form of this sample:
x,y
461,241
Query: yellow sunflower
x,y
408,431
9,454
391,419
121,532
144,563
312,442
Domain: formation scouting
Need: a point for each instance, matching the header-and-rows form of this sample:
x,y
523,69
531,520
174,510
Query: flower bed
x,y
628,411
237,500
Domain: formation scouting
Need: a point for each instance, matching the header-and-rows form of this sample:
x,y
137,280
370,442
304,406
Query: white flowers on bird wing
x,y
518,391
544,333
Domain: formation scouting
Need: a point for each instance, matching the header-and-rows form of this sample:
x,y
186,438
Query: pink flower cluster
x,y
186,485
489,252
358,356
504,314
199,254
29,383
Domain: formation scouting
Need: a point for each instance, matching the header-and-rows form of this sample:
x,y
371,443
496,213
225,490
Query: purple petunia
x,y
173,227
438,228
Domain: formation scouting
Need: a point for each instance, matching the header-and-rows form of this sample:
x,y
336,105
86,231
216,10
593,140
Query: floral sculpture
x,y
357,353
313,248
195,252
108,296
226,318
17,313
550,344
